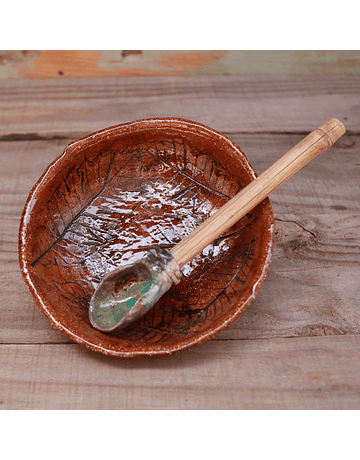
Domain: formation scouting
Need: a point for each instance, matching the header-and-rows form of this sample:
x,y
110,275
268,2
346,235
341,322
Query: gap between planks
x,y
70,136
307,373
214,339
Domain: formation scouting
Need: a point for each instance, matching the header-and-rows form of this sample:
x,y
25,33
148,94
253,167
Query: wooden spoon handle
x,y
316,142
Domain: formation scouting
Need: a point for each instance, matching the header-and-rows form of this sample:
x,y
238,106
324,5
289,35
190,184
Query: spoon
x,y
130,291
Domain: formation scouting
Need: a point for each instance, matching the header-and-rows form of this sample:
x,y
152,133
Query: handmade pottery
x,y
117,192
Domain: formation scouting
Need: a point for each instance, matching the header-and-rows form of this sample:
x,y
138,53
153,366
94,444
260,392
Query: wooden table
x,y
298,344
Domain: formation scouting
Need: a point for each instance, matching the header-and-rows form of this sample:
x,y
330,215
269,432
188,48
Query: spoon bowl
x,y
129,292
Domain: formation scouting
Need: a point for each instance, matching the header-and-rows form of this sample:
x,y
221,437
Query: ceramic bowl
x,y
119,191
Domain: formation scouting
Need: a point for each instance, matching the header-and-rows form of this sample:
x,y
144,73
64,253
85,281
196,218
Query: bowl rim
x,y
97,137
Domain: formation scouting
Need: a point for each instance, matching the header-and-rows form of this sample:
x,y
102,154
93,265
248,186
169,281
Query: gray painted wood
x,y
300,373
73,107
297,345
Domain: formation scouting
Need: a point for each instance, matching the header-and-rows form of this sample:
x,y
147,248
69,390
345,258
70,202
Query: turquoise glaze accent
x,y
129,292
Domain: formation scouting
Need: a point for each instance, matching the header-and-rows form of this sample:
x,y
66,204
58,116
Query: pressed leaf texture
x,y
107,200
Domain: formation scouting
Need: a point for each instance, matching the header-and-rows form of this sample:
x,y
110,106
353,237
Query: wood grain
x,y
247,199
311,287
328,185
300,373
75,107
111,63
298,344
316,253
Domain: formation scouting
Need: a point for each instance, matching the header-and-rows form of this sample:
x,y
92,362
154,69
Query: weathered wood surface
x,y
298,373
116,63
317,238
297,345
73,107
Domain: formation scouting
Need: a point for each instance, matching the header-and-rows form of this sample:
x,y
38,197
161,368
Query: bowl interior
x,y
119,191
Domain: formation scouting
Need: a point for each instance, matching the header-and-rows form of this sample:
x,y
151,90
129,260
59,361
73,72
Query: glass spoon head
x,y
129,292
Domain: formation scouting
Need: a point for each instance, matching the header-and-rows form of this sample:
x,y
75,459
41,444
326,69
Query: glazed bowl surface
x,y
115,193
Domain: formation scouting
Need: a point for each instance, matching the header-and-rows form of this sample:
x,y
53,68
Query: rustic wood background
x,y
298,344
112,63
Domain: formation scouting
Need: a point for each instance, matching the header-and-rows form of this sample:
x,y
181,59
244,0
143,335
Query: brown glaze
x,y
117,192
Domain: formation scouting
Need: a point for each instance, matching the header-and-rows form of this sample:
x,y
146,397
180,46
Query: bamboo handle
x,y
316,142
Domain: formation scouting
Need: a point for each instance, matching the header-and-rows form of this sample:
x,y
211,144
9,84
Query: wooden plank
x,y
329,184
305,321
311,288
312,285
107,63
299,373
72,107
21,164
